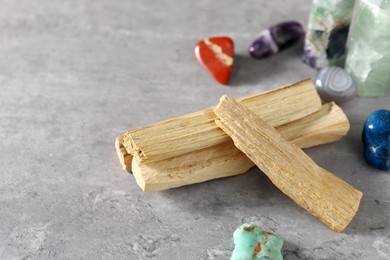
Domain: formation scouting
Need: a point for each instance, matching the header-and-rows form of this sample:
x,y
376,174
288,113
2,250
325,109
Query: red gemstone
x,y
216,56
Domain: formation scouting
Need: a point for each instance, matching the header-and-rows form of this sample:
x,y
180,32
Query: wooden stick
x,y
198,131
328,125
223,160
124,157
320,192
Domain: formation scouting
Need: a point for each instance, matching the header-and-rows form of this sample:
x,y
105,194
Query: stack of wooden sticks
x,y
208,144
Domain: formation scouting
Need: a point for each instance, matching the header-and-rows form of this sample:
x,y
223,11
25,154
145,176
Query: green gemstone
x,y
327,32
251,242
368,59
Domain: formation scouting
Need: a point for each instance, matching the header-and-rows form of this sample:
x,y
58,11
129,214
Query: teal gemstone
x,y
251,242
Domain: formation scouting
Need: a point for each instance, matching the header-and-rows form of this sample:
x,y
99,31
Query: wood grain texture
x,y
224,160
318,191
328,125
198,130
124,157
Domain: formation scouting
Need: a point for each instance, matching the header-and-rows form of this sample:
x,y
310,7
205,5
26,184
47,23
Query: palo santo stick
x,y
325,126
124,157
223,160
197,131
320,192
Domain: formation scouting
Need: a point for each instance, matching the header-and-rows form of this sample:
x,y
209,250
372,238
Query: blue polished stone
x,y
376,139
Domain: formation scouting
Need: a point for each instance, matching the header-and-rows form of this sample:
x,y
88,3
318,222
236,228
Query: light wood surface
x,y
198,131
318,191
124,157
223,160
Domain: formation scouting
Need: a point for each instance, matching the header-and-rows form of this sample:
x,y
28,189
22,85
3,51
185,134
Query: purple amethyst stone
x,y
276,39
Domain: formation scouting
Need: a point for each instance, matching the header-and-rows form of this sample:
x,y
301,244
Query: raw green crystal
x,y
327,33
252,243
368,59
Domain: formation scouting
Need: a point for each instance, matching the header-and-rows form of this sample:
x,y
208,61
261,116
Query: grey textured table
x,y
76,74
